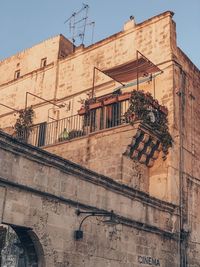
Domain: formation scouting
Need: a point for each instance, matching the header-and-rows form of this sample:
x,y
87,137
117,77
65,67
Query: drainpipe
x,y
182,236
57,62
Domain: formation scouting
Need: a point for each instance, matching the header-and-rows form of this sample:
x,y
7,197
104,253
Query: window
x,y
42,134
113,115
101,118
43,62
17,74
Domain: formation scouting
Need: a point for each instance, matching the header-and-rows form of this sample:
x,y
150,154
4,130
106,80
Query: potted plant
x,y
148,110
23,124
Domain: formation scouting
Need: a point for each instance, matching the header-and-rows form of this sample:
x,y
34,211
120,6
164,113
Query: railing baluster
x,y
76,125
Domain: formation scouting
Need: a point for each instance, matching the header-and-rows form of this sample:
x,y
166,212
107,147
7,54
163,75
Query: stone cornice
x,y
41,156
123,220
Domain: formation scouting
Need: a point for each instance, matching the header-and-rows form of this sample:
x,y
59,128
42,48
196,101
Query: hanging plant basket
x,y
23,124
145,108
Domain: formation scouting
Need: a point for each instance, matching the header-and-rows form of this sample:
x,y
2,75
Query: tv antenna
x,y
78,22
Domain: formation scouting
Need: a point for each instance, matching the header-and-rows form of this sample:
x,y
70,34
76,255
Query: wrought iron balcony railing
x,y
44,134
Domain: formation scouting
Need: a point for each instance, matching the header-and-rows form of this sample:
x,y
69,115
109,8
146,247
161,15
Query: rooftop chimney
x,y
130,23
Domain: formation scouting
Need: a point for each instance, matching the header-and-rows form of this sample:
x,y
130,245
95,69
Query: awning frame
x,y
138,56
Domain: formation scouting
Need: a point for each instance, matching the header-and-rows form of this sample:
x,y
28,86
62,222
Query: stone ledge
x,y
11,144
107,131
123,220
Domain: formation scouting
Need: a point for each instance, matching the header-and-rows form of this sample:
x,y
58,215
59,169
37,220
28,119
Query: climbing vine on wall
x,y
23,123
145,108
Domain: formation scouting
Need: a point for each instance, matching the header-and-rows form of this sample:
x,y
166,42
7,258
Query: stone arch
x,y
23,247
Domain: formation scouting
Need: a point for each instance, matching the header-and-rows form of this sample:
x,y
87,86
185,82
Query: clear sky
x,y
24,23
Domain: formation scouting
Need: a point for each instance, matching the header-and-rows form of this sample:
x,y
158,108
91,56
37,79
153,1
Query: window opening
x,y
43,62
113,115
17,74
42,134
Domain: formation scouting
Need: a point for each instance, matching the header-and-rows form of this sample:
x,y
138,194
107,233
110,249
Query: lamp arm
x,y
103,214
84,220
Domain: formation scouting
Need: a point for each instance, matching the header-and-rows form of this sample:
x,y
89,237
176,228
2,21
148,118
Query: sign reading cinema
x,y
148,261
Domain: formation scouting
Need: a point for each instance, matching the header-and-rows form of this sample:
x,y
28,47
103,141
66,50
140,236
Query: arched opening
x,y
19,247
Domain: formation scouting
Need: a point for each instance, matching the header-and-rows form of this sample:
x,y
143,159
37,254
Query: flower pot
x,y
81,111
124,96
95,105
110,100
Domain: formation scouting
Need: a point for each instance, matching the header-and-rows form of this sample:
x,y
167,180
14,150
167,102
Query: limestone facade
x,y
41,192
69,79
63,74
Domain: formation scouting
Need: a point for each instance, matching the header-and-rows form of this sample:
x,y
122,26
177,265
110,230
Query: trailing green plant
x,y
145,108
23,123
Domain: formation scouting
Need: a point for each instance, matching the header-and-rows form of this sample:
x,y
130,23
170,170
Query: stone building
x,y
81,112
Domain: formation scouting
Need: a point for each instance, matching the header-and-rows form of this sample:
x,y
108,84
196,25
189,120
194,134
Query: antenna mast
x,y
78,22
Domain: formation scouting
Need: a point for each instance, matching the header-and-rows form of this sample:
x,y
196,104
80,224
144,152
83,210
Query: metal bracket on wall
x,y
78,234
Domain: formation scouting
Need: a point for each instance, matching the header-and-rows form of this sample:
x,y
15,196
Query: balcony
x,y
148,118
101,115
138,108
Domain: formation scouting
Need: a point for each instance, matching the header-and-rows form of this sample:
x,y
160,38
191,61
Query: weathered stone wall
x,y
103,152
193,221
38,80
29,60
69,79
42,191
187,121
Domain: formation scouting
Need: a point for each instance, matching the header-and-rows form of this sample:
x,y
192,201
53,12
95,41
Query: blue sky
x,y
28,22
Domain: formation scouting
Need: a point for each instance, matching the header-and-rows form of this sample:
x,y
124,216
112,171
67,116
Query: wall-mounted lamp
x,y
111,219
